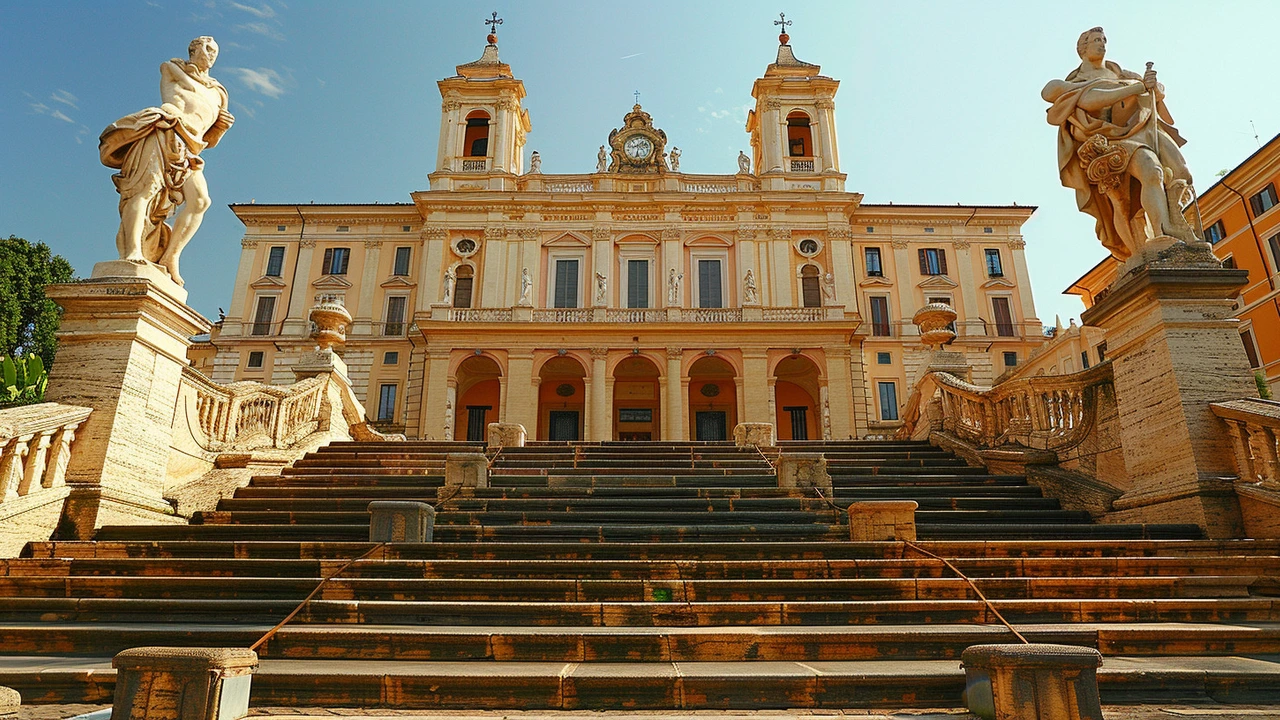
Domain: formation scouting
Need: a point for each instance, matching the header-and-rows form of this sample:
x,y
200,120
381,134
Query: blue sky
x,y
336,102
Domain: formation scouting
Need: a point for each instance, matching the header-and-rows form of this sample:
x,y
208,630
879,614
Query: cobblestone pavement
x,y
1113,712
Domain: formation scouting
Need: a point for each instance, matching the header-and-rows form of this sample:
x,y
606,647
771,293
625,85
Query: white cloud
x,y
57,114
263,80
628,57
263,29
65,98
263,12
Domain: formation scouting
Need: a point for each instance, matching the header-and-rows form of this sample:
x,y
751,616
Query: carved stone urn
x,y
331,320
933,320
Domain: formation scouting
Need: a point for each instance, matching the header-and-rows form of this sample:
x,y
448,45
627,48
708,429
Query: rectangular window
x,y
879,316
387,403
566,295
262,316
872,256
637,283
884,358
391,357
1004,316
255,360
709,295
1084,359
1250,349
1011,359
888,400
335,261
275,262
1102,352
402,261
933,261
395,316
994,267
1215,233
1229,262
1264,200
1274,244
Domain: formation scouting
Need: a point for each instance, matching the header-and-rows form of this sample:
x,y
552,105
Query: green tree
x,y
27,320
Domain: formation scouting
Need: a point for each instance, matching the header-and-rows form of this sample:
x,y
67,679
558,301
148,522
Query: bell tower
x,y
482,125
793,126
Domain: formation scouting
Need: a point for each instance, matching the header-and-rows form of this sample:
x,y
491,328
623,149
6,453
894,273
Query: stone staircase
x,y
647,576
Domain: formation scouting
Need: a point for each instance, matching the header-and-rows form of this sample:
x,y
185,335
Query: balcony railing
x,y
476,165
712,315
563,315
571,186
480,314
800,164
635,315
640,315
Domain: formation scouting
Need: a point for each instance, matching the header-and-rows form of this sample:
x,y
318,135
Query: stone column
x,y
840,390
598,412
971,309
296,322
122,347
244,275
366,313
675,397
522,406
1024,281
1175,349
906,296
433,422
755,387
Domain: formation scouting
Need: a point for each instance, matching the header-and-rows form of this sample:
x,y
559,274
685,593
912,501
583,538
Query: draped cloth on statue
x,y
1094,155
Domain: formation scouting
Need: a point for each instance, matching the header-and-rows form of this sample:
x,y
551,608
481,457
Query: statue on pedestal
x,y
602,160
526,288
1118,149
673,288
750,295
675,159
157,151
602,290
744,163
535,164
449,279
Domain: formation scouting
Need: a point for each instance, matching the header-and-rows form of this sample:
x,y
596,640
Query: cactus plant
x,y
24,380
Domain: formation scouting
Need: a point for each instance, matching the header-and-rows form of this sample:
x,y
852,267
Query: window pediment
x,y
998,282
875,281
398,281
267,282
709,241
572,240
937,281
637,240
331,281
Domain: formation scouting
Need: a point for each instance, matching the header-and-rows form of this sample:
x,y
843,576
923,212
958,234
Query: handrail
x,y
247,415
35,446
1254,427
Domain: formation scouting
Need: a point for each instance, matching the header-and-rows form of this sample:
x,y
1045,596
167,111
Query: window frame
x,y
260,328
866,261
933,261
261,357
330,260
1005,356
696,256
277,260
891,408
386,414
388,325
408,261
1251,348
888,310
987,255
626,255
1216,233
553,260
1268,194
995,316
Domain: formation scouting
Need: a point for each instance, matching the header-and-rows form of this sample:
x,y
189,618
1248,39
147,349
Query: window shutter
x,y
638,283
811,294
942,261
1255,202
328,262
709,284
566,284
346,258
924,263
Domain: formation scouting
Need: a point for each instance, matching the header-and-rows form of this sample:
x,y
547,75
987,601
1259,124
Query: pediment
x,y
937,281
709,241
875,281
398,281
267,282
331,282
568,240
998,282
637,239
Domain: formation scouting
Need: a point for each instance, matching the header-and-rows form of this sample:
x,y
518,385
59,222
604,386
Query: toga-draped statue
x,y
157,151
1118,149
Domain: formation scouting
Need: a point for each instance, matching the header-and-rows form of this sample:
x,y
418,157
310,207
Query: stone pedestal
x,y
175,683
1175,349
746,434
401,521
804,470
9,702
883,520
505,435
122,346
1032,682
466,470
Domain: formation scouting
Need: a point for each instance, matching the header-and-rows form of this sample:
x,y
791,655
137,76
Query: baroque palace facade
x,y
637,301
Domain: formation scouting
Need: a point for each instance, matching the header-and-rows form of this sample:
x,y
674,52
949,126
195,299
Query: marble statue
x,y
675,159
602,289
744,163
157,152
526,288
535,163
829,287
448,420
673,288
602,160
750,295
1118,149
449,279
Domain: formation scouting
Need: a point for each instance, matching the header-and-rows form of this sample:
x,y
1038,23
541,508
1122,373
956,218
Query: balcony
x,y
801,164
475,165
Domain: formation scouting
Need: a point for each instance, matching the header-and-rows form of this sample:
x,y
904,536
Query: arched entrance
x,y
636,400
713,400
479,396
796,391
561,399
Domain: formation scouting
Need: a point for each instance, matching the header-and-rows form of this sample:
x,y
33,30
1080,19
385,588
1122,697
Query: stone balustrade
x,y
35,447
251,415
1253,425
828,313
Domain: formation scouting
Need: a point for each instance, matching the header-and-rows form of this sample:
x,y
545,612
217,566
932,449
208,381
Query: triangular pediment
x,y
875,281
267,281
937,281
398,281
331,282
568,240
709,241
998,282
637,239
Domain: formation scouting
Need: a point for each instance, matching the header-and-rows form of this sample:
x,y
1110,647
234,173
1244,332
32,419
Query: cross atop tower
x,y
637,94
493,24
782,20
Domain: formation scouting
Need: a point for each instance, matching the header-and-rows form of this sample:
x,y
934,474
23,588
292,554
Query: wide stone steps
x,y
570,505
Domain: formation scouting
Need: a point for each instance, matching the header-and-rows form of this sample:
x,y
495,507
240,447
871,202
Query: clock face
x,y
638,148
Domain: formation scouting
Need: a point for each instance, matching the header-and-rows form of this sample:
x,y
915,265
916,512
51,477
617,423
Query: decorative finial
x,y
783,37
493,24
637,94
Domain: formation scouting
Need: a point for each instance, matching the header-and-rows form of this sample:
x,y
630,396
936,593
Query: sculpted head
x,y
203,52
1092,45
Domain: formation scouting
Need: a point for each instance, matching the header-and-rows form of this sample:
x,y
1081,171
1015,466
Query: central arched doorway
x,y
479,397
636,401
713,400
796,391
561,399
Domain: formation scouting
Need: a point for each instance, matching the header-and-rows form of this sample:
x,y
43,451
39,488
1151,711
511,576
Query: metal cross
x,y
784,22
637,97
494,22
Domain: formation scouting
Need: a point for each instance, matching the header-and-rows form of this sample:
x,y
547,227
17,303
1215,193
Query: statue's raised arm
x,y
157,152
1118,149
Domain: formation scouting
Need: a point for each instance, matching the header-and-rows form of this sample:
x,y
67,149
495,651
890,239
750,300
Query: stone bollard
x,y
466,470
178,683
745,434
1032,682
878,520
803,470
401,521
9,702
506,435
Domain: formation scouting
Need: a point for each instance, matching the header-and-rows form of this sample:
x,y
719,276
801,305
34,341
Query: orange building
x,y
1240,218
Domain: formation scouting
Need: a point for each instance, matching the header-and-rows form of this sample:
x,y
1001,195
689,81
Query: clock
x,y
638,147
